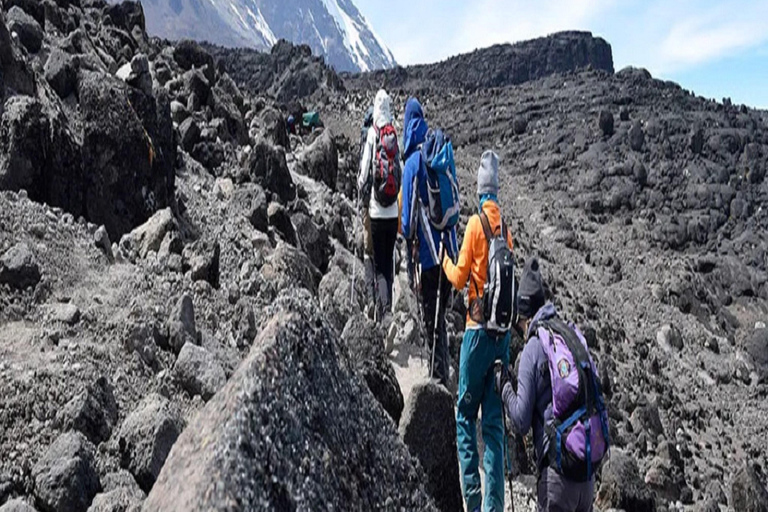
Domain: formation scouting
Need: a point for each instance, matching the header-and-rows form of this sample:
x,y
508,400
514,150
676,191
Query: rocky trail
x,y
181,304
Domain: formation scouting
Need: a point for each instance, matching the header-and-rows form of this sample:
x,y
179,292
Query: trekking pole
x,y
437,311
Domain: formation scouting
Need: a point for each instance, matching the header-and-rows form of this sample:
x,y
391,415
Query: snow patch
x,y
351,33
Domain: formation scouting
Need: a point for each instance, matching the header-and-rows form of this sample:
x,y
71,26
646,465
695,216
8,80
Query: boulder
x,y
288,267
189,54
645,418
136,74
61,72
198,371
201,259
337,299
146,437
149,235
278,218
636,136
621,486
428,428
26,27
748,494
189,133
271,125
606,123
125,15
278,436
93,412
225,107
17,505
756,345
365,341
65,313
320,161
250,201
19,267
314,240
197,88
65,477
115,145
101,240
669,337
266,166
182,329
697,140
17,76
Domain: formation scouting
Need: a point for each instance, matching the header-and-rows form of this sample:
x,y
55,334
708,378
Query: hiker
x,y
379,184
490,316
424,241
566,480
290,125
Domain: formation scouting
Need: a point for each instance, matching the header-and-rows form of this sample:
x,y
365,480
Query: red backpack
x,y
386,166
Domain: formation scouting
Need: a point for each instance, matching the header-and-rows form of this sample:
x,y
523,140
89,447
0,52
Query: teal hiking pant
x,y
478,353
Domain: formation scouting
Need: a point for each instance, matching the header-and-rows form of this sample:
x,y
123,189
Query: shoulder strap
x,y
486,226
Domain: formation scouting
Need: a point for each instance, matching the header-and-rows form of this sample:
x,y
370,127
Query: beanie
x,y
488,174
531,297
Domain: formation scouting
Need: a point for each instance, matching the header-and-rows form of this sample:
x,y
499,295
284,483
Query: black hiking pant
x,y
384,235
430,280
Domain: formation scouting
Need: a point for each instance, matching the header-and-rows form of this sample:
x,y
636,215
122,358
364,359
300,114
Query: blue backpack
x,y
442,187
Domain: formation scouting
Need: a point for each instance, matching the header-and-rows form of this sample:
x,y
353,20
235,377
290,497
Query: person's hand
x,y
501,377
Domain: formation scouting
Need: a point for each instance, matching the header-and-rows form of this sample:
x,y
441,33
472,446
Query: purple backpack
x,y
578,435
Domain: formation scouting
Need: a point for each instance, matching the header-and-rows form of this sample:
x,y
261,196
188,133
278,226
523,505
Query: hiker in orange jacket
x,y
479,351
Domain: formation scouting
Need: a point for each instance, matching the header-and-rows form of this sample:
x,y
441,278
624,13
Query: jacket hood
x,y
547,311
382,109
415,127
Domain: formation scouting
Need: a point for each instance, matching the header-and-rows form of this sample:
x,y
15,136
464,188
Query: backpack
x,y
442,187
578,435
499,292
386,166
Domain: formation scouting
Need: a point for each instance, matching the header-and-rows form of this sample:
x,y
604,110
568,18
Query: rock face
x,y
428,428
503,65
146,437
621,486
748,492
365,342
65,477
266,422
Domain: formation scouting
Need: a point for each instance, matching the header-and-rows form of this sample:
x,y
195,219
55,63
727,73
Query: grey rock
x,y
313,239
146,437
189,54
251,200
26,27
201,259
320,160
93,412
19,267
189,132
669,336
17,505
337,299
198,372
288,407
266,166
621,486
181,325
428,428
606,123
365,341
280,220
61,72
645,418
65,313
636,136
101,239
179,112
65,477
748,493
149,236
288,267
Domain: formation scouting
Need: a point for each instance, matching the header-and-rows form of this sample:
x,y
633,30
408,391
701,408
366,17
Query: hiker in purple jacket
x,y
531,405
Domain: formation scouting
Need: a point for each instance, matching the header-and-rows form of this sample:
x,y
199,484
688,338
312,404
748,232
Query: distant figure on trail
x,y
290,124
379,185
564,403
486,249
425,243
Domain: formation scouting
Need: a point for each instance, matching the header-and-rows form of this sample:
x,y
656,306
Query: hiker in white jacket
x,y
381,222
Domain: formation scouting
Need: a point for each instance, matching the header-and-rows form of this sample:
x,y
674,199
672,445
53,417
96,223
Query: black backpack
x,y
499,292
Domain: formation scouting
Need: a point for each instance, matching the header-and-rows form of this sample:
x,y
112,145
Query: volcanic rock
x,y
606,123
61,72
251,201
93,412
428,428
747,491
365,342
313,239
266,166
320,161
198,372
17,505
146,437
279,219
286,407
26,27
65,477
19,267
189,54
621,486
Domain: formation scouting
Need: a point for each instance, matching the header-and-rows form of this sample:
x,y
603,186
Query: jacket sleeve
x,y
510,240
365,162
458,273
520,404
408,227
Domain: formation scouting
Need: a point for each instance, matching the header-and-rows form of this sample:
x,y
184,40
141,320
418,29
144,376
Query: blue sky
x,y
715,48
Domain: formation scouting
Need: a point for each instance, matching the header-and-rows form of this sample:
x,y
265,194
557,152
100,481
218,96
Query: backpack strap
x,y
486,227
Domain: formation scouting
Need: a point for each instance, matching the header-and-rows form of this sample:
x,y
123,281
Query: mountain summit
x,y
333,28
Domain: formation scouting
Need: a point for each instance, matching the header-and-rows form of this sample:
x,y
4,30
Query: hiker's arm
x,y
458,273
519,404
409,195
365,163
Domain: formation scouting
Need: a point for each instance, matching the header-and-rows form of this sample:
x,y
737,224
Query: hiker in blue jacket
x,y
417,230
531,405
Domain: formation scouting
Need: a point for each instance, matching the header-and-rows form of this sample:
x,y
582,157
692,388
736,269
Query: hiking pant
x,y
478,354
384,235
430,280
558,494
